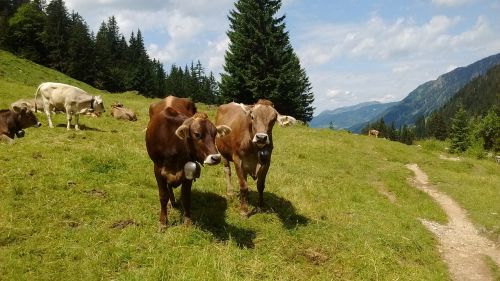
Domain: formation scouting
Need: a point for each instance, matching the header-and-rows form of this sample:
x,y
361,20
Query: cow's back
x,y
58,93
182,105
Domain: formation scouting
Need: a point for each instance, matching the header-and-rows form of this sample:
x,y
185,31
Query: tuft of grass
x,y
84,205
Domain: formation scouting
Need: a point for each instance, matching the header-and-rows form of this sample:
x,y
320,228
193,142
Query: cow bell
x,y
192,170
20,133
264,156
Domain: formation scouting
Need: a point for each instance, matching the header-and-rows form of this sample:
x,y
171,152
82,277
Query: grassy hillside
x,y
84,205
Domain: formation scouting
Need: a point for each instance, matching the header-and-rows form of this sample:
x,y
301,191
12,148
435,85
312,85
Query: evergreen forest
x,y
260,62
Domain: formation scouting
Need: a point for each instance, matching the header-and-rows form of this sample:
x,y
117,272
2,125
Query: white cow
x,y
72,100
285,120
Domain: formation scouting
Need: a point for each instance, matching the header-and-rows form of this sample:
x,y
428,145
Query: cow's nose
x,y
261,137
215,158
212,159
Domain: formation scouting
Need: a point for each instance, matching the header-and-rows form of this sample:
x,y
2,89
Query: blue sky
x,y
353,51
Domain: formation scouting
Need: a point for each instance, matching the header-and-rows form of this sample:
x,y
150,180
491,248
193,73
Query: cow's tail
x,y
37,93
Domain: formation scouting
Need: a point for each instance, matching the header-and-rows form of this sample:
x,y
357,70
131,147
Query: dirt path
x,y
461,246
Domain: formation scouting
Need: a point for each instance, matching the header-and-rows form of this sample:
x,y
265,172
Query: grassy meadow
x,y
84,205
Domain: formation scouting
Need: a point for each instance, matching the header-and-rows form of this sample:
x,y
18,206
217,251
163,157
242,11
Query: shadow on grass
x,y
208,212
83,127
280,206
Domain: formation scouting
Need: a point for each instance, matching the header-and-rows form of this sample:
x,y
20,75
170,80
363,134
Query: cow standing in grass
x,y
249,145
178,143
72,100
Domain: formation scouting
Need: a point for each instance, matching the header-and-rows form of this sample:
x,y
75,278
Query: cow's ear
x,y
16,109
182,131
223,130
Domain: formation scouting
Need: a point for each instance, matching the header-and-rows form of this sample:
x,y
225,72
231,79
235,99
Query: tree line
x,y
51,36
260,61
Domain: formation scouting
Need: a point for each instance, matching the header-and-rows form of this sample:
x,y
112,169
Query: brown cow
x,y
183,105
373,132
177,144
249,145
12,122
120,112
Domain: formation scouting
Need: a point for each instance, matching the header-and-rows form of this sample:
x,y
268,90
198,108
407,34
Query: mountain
x,y
432,95
477,97
345,117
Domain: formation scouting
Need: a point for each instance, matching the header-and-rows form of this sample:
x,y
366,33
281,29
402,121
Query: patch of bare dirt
x,y
461,245
315,257
121,224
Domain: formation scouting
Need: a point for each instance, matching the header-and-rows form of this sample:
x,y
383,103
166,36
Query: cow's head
x,y
25,117
97,105
263,116
200,135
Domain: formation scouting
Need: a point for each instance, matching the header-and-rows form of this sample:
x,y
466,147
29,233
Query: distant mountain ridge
x,y
346,117
432,95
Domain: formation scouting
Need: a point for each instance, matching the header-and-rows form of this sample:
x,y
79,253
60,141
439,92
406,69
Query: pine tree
x,y
260,62
459,133
81,58
56,34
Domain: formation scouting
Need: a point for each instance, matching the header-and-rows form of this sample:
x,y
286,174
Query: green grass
x,y
84,205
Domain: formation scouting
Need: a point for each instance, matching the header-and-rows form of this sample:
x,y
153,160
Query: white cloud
x,y
451,3
380,40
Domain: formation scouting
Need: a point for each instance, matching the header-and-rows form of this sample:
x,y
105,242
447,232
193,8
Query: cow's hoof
x,y
162,228
20,133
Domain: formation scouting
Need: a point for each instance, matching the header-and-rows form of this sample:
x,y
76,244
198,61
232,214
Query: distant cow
x,y
177,143
72,100
12,122
373,132
249,145
285,120
120,112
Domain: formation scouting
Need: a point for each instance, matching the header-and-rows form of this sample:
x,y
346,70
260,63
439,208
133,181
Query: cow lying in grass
x,y
12,123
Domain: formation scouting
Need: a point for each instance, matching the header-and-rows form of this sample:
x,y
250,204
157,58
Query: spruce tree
x,y
80,50
459,133
261,63
56,34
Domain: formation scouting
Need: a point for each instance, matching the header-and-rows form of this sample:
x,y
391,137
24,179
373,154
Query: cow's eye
x,y
197,135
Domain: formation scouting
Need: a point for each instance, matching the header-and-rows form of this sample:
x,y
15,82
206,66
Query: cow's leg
x,y
186,200
77,117
6,139
242,179
261,183
227,171
47,110
68,118
163,193
171,195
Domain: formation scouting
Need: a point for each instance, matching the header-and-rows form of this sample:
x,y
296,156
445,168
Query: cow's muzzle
x,y
260,139
38,124
212,159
